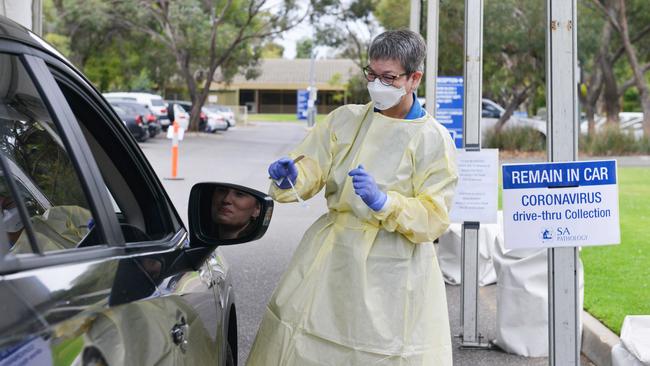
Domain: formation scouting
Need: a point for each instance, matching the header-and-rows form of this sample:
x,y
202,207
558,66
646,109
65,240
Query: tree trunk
x,y
595,82
610,91
514,104
641,84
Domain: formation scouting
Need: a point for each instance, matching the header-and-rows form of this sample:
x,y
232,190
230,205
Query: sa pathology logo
x,y
546,234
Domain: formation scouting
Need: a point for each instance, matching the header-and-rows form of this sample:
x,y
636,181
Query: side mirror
x,y
225,214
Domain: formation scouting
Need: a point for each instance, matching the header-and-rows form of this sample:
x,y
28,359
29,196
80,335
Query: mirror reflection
x,y
233,213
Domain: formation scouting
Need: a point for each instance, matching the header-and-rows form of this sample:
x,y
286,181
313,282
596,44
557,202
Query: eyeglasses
x,y
386,79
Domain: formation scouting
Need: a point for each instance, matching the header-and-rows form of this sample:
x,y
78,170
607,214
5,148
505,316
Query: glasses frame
x,y
370,76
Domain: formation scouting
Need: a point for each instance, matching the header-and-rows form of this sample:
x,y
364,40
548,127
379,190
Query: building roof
x,y
284,74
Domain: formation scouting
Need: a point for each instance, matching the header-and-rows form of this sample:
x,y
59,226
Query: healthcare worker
x,y
364,287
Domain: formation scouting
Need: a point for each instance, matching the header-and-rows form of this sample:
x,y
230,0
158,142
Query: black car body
x,y
96,266
147,118
133,121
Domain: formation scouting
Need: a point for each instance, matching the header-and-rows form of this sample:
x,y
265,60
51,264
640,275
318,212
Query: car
x,y
133,121
96,265
225,111
215,121
492,111
629,122
142,114
154,102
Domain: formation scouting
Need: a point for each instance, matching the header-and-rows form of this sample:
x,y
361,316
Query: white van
x,y
154,102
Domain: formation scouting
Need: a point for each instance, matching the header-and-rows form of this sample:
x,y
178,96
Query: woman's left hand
x,y
366,188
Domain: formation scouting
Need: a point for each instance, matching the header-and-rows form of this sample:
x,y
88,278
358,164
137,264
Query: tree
x,y
272,50
86,24
514,52
304,48
617,14
206,36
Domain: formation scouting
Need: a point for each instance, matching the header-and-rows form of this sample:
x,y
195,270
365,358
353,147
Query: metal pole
x,y
432,55
414,24
473,75
311,115
37,17
562,101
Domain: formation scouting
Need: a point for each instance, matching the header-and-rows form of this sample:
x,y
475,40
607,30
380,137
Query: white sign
x,y
560,204
35,352
476,193
212,98
170,133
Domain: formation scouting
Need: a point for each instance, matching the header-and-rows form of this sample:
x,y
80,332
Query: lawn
x,y
617,278
280,117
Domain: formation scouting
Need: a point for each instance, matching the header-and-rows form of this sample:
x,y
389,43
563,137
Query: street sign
x,y
476,194
449,109
302,104
566,204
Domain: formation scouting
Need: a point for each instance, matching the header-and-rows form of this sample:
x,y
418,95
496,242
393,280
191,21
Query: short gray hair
x,y
404,46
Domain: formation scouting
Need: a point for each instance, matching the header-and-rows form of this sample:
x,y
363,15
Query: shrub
x,y
516,138
612,141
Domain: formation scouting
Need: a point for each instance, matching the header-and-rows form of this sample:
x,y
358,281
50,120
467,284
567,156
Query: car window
x,y
141,208
38,162
157,102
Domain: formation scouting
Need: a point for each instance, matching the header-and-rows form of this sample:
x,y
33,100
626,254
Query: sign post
x,y
433,8
562,140
473,75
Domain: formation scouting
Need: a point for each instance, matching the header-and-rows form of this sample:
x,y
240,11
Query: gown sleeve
x,y
314,168
424,217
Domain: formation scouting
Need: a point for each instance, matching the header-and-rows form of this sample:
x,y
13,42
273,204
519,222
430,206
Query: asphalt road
x,y
241,156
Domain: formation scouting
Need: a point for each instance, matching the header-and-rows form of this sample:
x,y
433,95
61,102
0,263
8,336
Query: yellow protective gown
x,y
364,287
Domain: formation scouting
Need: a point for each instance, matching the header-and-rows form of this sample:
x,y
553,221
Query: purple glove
x,y
366,188
284,169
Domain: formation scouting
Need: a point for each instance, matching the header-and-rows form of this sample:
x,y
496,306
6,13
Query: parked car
x,y
225,111
216,121
629,122
492,111
133,121
176,113
154,102
146,116
96,266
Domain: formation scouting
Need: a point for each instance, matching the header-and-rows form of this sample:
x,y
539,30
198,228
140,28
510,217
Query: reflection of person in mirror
x,y
233,211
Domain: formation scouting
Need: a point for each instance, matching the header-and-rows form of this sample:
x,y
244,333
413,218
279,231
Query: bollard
x,y
175,132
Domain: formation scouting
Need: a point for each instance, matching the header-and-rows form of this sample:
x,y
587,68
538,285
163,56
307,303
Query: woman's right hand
x,y
283,170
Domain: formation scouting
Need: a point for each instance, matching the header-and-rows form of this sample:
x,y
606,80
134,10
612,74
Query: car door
x,y
183,311
111,287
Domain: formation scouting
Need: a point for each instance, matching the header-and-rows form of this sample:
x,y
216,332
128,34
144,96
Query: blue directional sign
x,y
449,108
302,104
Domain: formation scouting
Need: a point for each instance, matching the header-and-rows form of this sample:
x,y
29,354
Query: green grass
x,y
67,351
280,117
617,277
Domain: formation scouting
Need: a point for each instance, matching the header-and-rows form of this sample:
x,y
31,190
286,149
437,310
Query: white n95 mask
x,y
384,96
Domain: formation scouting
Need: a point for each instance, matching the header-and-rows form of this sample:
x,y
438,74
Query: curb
x,y
597,340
